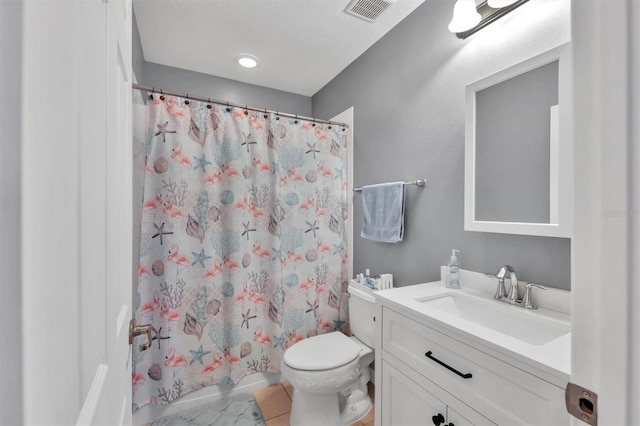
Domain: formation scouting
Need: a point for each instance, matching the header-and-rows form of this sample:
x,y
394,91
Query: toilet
x,y
329,372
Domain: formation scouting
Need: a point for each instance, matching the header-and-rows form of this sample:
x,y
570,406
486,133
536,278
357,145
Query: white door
x,y
606,246
76,241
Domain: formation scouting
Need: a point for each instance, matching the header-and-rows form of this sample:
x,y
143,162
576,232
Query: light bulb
x,y
465,16
497,4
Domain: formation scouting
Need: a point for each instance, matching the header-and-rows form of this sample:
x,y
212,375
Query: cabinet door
x,y
407,404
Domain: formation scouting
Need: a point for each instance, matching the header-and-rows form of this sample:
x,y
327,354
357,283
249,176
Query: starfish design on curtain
x,y
312,149
247,230
197,355
246,317
248,142
337,325
313,307
278,341
162,130
339,173
157,336
313,227
277,254
201,163
160,232
199,258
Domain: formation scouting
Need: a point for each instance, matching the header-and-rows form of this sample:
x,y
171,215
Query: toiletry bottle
x,y
453,275
368,282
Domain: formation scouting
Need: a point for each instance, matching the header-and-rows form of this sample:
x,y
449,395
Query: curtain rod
x,y
245,107
420,182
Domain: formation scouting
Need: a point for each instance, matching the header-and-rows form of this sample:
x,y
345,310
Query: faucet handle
x,y
527,302
501,293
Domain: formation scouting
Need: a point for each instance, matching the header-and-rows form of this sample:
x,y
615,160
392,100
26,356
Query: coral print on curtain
x,y
243,246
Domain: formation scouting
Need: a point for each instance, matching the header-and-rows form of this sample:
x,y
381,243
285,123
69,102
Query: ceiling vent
x,y
368,10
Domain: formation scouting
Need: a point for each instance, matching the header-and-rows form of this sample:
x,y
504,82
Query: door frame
x,y
346,117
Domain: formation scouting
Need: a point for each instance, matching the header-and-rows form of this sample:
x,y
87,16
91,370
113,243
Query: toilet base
x,y
313,409
354,411
357,402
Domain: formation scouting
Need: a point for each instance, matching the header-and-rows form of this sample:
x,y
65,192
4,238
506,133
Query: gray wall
x,y
204,85
408,98
10,263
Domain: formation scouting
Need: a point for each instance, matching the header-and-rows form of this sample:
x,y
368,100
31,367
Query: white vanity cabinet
x,y
460,379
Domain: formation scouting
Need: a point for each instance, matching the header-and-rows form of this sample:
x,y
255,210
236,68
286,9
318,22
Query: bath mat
x,y
239,410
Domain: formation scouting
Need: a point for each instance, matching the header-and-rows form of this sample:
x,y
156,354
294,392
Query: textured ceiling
x,y
301,44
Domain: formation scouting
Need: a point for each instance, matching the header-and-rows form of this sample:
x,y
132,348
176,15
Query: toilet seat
x,y
323,352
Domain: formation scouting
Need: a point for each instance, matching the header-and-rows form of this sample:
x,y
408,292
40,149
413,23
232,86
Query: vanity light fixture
x,y
483,14
497,4
465,16
247,61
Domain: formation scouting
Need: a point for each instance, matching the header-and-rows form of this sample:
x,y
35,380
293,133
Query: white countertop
x,y
552,358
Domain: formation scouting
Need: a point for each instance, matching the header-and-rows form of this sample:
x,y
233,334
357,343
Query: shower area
x,y
243,244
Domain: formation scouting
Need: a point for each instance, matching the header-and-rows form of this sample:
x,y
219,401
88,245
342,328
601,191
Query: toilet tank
x,y
362,312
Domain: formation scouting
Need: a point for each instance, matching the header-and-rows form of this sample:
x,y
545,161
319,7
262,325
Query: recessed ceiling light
x,y
247,61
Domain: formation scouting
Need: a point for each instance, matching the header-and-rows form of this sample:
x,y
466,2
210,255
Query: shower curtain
x,y
243,243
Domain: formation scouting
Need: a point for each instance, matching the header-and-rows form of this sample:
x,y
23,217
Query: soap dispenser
x,y
453,274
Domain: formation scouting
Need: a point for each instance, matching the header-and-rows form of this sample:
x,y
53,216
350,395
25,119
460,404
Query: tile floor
x,y
275,405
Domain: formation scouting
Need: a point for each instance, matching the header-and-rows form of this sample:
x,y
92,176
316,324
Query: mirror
x,y
519,149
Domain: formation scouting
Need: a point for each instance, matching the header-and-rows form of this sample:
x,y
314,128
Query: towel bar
x,y
420,182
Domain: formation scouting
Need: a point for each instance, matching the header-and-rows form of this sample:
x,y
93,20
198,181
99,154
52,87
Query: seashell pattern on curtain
x,y
243,243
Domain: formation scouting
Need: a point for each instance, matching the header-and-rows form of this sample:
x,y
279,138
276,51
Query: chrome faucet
x,y
513,290
512,297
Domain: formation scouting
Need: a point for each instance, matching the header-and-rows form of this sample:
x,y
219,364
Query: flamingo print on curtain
x,y
243,243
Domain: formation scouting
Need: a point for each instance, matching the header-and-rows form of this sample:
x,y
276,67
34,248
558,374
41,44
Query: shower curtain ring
x,y
161,95
265,113
187,101
246,110
209,103
277,116
228,109
296,121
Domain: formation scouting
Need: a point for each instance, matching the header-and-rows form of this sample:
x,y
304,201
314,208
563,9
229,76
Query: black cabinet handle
x,y
463,375
438,420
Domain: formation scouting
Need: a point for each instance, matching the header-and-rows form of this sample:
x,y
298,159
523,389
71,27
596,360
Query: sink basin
x,y
527,326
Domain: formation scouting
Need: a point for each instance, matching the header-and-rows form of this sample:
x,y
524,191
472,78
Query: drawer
x,y
505,394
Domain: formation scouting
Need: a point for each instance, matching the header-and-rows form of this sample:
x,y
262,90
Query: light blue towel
x,y
383,207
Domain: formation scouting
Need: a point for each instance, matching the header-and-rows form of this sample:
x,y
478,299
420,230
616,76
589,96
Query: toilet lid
x,y
323,352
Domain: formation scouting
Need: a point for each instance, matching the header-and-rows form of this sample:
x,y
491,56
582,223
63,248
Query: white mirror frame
x,y
561,153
